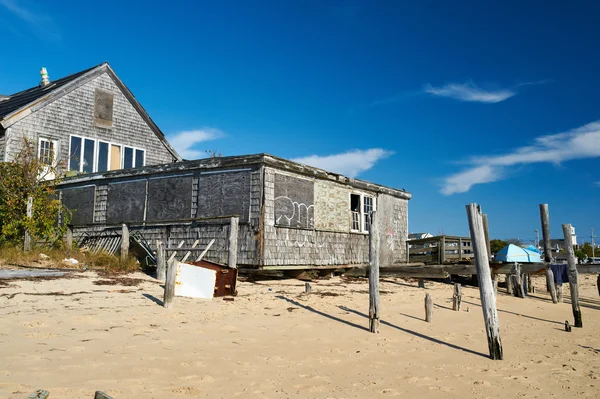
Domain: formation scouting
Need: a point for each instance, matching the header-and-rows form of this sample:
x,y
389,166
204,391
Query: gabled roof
x,y
23,98
24,102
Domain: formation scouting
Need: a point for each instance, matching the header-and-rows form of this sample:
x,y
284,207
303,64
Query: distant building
x,y
419,236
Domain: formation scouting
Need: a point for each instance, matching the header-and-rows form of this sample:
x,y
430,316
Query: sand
x,y
73,337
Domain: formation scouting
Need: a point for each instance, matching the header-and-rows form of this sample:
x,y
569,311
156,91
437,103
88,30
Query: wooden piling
x,y
101,395
307,288
69,239
161,261
545,219
598,284
27,240
428,308
509,285
572,262
124,243
486,289
233,244
421,283
456,298
488,246
559,292
373,275
170,283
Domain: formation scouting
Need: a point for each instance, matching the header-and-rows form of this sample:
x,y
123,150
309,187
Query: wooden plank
x,y
170,283
374,275
189,252
486,289
175,252
572,262
428,308
199,258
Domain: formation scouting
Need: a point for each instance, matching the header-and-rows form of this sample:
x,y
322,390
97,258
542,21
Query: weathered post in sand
x,y
124,243
170,283
27,239
233,242
428,308
486,289
161,261
69,239
572,262
545,217
373,275
456,298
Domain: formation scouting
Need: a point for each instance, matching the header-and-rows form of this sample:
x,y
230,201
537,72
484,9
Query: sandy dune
x,y
73,337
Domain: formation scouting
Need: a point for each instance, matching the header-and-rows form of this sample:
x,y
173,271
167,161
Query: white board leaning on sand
x,y
195,282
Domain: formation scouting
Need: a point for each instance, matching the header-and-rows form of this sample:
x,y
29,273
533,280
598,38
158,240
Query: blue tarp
x,y
514,253
532,249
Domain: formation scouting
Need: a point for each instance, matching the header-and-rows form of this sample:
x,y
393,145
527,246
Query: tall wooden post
x,y
161,261
460,251
69,239
486,290
484,218
374,275
545,218
124,243
233,242
27,241
572,262
170,283
456,298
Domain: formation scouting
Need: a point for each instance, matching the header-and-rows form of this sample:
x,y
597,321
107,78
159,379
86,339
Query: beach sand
x,y
73,337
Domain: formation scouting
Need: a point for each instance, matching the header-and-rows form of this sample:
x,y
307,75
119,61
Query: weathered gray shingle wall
x,y
321,246
205,231
2,145
73,113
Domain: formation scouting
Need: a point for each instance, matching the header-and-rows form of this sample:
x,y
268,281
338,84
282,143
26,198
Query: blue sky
x,y
457,102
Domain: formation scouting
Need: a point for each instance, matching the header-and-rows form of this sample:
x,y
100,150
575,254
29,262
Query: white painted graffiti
x,y
292,213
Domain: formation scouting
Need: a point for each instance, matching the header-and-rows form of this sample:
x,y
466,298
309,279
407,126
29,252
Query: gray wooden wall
x,y
306,222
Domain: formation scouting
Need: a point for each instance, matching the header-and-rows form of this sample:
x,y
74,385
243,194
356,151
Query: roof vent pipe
x,y
44,74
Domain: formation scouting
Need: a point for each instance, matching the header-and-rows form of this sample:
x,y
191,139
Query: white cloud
x,y
184,142
579,143
469,91
350,163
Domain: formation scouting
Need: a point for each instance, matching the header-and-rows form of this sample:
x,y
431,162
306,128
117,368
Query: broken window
x,y
75,153
102,156
361,206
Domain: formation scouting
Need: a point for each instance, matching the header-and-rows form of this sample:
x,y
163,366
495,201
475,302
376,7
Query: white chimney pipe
x,y
45,80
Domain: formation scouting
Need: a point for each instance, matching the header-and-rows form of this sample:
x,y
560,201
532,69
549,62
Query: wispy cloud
x,y
42,25
579,143
350,163
185,143
470,92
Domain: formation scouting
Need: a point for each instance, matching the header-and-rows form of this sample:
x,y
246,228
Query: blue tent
x,y
514,253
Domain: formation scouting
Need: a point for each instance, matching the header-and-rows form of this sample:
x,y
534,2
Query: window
x,y
47,151
89,155
75,153
102,156
361,207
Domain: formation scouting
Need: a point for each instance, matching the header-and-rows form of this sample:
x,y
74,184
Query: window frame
x,y
362,215
54,155
97,153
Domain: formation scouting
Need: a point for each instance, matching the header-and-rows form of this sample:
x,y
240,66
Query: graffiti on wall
x,y
294,202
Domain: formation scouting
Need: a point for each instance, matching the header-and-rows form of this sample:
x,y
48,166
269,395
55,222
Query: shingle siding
x,y
73,113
